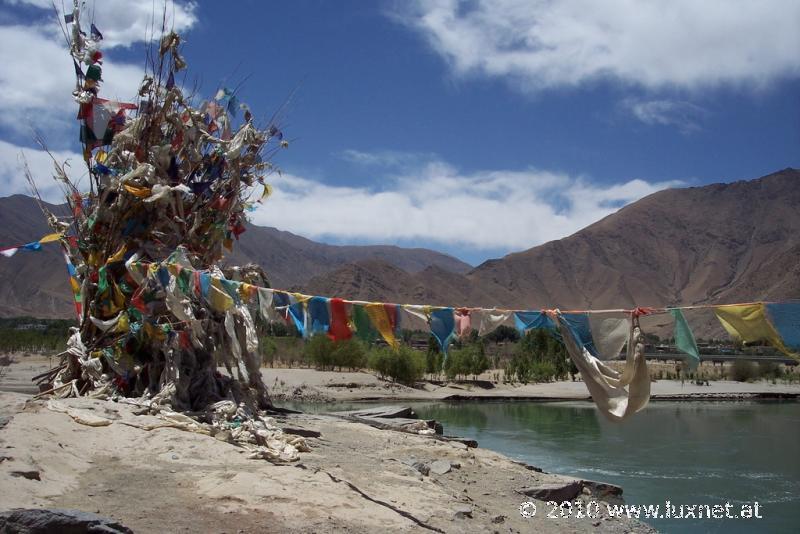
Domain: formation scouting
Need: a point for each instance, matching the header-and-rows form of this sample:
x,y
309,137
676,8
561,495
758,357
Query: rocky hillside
x,y
718,243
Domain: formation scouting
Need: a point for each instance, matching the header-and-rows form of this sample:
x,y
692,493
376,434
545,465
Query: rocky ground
x,y
356,478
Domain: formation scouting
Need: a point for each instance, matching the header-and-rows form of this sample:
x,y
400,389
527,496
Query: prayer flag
x,y
684,339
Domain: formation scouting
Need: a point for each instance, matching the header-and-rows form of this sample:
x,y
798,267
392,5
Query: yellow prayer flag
x,y
749,323
380,320
141,192
49,238
218,298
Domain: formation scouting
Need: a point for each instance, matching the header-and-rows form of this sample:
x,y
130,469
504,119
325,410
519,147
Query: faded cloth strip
x,y
610,332
749,323
579,323
607,386
443,327
489,320
463,322
684,340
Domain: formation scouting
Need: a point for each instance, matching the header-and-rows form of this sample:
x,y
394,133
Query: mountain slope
x,y
720,243
35,283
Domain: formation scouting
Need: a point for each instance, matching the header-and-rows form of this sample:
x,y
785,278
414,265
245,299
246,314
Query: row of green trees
x,y
34,335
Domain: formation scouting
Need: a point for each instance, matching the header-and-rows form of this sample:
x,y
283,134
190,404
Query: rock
x,y
30,475
440,467
463,512
422,468
498,519
565,490
43,521
306,433
603,491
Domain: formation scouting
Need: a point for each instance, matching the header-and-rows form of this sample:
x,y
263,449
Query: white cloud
x,y
684,115
384,158
37,81
124,22
12,178
485,210
38,78
685,44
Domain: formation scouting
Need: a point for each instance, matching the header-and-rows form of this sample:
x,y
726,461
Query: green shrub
x,y
743,371
349,353
404,365
318,351
267,349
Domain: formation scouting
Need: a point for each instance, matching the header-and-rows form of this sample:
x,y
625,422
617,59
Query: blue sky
x,y
475,128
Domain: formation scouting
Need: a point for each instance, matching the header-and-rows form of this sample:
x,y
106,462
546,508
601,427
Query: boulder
x,y
44,521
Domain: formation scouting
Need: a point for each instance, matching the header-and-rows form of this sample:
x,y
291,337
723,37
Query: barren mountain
x,y
35,283
719,243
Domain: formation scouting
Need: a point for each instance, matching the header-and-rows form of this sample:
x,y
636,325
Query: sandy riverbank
x,y
329,386
355,479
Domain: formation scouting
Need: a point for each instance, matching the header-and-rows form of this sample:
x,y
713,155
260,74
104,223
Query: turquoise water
x,y
685,452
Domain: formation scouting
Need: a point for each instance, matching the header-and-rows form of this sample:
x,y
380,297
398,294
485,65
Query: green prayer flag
x,y
362,324
102,280
684,340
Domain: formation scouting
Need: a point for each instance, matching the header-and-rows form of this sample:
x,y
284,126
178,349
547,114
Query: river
x,y
690,453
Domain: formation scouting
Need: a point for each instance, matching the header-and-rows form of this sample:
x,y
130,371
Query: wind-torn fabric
x,y
418,311
749,323
579,323
380,319
297,312
785,317
443,326
339,329
684,340
362,324
489,320
217,297
319,317
529,320
606,386
265,303
463,318
610,332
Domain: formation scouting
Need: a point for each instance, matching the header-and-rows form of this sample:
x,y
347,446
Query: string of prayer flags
x,y
33,246
684,339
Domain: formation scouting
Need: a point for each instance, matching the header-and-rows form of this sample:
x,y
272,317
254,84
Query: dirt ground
x,y
355,479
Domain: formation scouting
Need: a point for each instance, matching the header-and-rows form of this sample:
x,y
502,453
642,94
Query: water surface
x,y
685,452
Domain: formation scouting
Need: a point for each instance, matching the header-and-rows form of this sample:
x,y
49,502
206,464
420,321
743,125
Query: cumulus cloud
x,y
511,209
38,78
12,177
685,44
124,22
684,115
